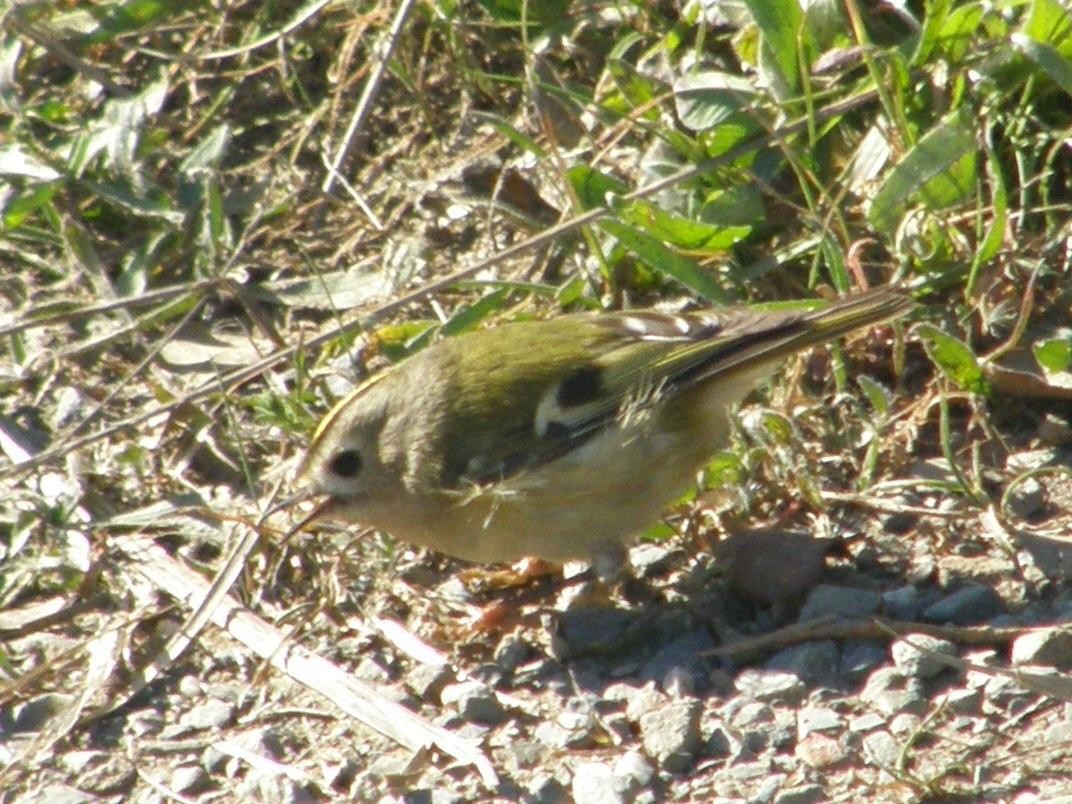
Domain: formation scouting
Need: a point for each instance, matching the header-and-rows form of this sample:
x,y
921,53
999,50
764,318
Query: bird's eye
x,y
346,463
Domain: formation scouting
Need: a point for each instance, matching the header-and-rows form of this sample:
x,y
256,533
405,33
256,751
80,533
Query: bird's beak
x,y
323,506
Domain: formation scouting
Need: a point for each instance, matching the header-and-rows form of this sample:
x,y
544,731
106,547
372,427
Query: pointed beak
x,y
322,507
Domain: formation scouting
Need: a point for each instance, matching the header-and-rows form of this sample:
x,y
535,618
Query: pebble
x,y
679,666
858,659
844,601
190,779
903,603
474,702
570,729
770,685
1027,499
35,714
513,652
768,788
867,722
640,701
212,714
904,723
546,789
813,662
890,692
671,735
820,751
802,794
427,681
968,606
589,631
1051,647
962,701
1059,733
57,794
912,655
632,771
719,742
817,718
882,750
594,782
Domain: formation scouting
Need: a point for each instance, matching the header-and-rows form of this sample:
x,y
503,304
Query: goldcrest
x,y
555,439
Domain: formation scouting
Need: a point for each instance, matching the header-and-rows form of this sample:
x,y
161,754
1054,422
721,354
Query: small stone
x,y
755,724
817,718
843,601
1054,431
36,713
858,659
1051,647
1059,733
770,685
813,662
867,722
212,714
913,655
756,568
968,606
904,723
513,652
1027,499
190,779
820,751
594,781
678,667
57,794
802,794
903,603
649,559
546,789
427,681
962,701
783,734
587,631
890,692
882,750
768,788
671,735
719,742
632,771
744,712
983,570
1032,459
142,722
643,700
474,702
190,686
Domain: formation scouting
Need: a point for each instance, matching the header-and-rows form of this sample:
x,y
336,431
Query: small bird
x,y
555,439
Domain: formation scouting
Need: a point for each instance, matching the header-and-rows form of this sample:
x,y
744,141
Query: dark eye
x,y
346,463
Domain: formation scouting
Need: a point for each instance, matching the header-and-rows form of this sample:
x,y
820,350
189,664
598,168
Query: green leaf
x,y
947,151
1049,23
511,133
19,207
208,152
592,187
705,99
955,359
878,395
468,317
780,25
683,232
1054,355
659,257
1048,58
